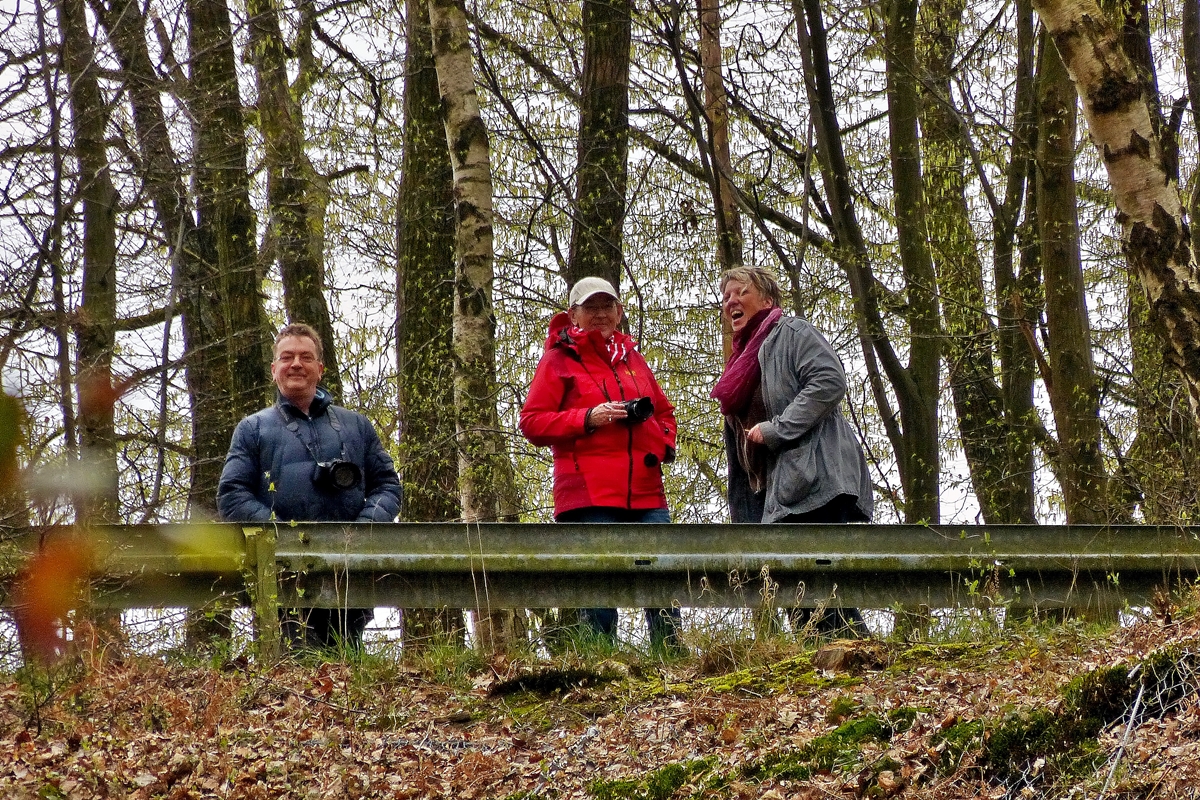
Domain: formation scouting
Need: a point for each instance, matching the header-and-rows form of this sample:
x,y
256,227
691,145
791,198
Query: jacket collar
x,y
560,336
320,403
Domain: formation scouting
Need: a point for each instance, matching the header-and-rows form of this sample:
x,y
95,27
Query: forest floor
x,y
1064,710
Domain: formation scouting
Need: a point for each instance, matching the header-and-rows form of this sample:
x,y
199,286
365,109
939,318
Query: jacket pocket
x,y
795,474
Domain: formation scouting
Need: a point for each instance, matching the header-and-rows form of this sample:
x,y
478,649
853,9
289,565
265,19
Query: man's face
x,y
296,369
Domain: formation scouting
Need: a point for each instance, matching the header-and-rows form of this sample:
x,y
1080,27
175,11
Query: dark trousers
x,y
323,628
663,623
843,621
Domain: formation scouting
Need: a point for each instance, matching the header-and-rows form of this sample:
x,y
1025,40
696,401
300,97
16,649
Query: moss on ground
x,y
660,784
839,749
955,742
1066,736
784,676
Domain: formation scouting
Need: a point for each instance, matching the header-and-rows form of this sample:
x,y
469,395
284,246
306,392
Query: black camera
x,y
639,410
337,475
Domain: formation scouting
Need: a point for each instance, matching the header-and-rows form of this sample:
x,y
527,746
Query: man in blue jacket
x,y
306,460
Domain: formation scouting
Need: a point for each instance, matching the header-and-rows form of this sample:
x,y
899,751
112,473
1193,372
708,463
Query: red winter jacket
x,y
617,465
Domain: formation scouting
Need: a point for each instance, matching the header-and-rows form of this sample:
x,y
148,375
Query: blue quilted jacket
x,y
271,465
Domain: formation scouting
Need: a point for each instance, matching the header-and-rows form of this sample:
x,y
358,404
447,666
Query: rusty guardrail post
x,y
262,581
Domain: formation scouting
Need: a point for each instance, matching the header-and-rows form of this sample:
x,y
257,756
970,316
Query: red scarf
x,y
618,347
742,371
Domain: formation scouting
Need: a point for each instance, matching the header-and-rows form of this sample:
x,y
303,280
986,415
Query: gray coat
x,y
814,453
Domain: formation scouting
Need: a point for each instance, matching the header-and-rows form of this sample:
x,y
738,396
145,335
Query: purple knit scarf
x,y
742,372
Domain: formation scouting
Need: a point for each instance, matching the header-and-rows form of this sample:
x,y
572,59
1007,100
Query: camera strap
x,y
293,425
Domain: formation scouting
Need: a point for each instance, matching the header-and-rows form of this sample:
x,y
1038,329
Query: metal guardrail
x,y
502,565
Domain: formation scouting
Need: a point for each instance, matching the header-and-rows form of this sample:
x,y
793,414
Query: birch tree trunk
x,y
1191,70
1159,468
482,460
1155,236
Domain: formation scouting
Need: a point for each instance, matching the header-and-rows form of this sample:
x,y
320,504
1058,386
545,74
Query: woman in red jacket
x,y
595,403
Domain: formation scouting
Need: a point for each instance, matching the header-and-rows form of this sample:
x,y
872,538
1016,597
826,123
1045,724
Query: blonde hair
x,y
759,278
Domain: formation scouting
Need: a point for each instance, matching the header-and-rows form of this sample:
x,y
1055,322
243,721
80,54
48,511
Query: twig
x,y
1125,738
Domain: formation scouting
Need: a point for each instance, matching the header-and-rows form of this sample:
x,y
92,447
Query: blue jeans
x,y
663,623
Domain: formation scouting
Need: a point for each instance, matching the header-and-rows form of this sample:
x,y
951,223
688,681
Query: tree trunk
x,y
217,258
205,333
1074,393
920,416
96,327
1160,466
14,505
425,230
98,500
482,459
716,113
1017,278
1156,238
917,470
1191,70
970,334
298,247
597,231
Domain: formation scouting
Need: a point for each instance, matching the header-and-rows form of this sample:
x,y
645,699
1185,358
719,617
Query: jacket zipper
x,y
628,444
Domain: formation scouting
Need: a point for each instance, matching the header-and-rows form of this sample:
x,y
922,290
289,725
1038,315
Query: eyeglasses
x,y
603,305
287,358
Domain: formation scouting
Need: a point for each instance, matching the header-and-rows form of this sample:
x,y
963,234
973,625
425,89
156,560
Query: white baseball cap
x,y
587,287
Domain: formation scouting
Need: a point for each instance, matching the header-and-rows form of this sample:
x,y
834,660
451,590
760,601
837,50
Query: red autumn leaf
x,y
47,590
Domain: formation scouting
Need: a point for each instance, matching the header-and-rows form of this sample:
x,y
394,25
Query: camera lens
x,y
639,410
343,474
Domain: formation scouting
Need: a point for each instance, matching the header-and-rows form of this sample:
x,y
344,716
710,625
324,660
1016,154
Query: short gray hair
x,y
302,330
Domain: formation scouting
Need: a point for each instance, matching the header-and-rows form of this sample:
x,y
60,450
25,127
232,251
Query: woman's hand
x,y
754,435
605,414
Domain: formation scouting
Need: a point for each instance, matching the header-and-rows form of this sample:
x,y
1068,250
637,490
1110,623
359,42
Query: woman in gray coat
x,y
792,455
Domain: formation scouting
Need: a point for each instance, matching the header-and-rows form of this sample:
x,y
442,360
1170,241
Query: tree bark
x,y
1191,71
597,231
1074,393
970,334
1158,469
850,250
920,415
98,500
1155,236
1017,277
295,228
716,113
425,232
482,460
202,287
96,327
224,321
